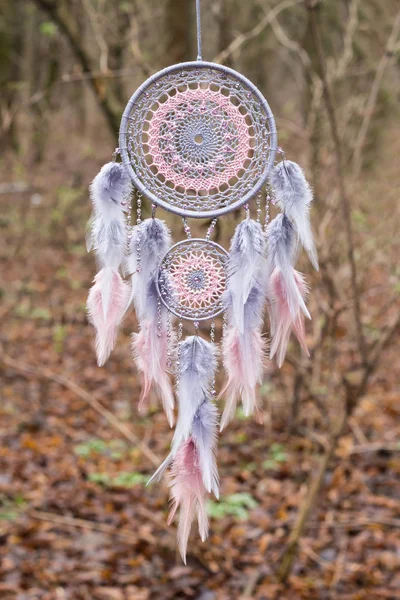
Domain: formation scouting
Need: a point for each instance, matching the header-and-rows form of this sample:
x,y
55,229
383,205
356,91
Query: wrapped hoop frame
x,y
191,279
159,147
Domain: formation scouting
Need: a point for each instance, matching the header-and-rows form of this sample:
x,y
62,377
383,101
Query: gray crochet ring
x,y
191,279
198,139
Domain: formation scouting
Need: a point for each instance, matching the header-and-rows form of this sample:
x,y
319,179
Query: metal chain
x,y
267,206
178,354
139,196
258,203
186,229
169,340
281,152
159,318
129,227
224,323
212,331
212,338
211,228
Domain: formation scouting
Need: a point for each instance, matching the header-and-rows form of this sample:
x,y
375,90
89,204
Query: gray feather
x,y
109,241
110,190
244,301
197,367
196,373
294,196
244,377
204,434
245,267
154,239
281,246
253,308
281,243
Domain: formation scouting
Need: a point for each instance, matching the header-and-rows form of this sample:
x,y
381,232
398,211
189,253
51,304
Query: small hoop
x,y
191,279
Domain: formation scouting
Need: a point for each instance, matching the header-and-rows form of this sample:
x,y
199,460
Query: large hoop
x,y
198,139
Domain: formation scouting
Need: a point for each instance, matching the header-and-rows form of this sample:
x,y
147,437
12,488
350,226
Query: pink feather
x,y
188,493
150,354
282,321
243,360
106,305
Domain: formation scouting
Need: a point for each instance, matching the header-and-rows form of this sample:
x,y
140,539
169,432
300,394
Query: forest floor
x,y
76,520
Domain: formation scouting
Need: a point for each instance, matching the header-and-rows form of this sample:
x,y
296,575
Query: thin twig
x,y
369,363
68,521
251,584
290,551
288,43
241,39
344,200
373,96
67,28
353,396
348,39
335,70
375,447
340,563
45,373
109,74
363,521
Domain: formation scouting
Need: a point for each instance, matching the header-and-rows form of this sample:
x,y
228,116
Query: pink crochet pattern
x,y
192,278
198,279
199,139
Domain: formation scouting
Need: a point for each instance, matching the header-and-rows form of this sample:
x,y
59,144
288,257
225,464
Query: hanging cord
x,y
186,228
198,22
211,228
139,196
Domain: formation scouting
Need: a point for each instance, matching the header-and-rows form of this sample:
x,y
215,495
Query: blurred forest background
x,y
310,504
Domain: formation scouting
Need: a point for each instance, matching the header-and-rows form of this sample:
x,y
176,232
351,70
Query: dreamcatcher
x,y
199,140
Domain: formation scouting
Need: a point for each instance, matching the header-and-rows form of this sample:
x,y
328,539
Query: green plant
x,y
277,456
10,509
124,479
236,505
115,449
59,335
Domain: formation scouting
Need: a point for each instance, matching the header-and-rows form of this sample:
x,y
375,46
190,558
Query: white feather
x,y
281,245
294,196
106,234
197,368
245,266
204,435
153,239
110,191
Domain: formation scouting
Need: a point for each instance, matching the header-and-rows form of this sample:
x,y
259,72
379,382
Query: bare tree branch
x,y
373,96
104,99
344,200
288,43
353,395
241,39
46,373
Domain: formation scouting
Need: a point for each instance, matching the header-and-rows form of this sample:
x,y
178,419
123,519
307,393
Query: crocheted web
x,y
198,138
192,279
